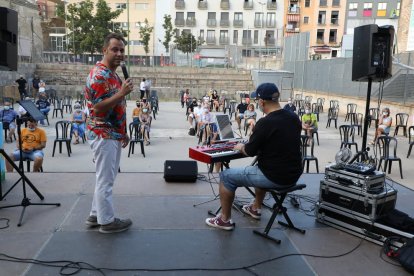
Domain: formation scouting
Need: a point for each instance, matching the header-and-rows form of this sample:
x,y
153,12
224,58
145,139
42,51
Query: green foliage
x,y
187,43
145,34
169,32
86,29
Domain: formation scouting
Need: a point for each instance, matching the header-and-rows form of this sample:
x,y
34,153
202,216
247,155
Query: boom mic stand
x,y
37,115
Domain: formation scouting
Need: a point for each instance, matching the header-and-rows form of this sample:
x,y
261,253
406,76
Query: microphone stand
x,y
19,169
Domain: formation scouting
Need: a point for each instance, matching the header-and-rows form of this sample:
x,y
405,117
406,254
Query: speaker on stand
x,y
8,39
372,61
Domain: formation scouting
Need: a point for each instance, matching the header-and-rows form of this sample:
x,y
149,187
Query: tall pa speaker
x,y
372,57
8,39
180,171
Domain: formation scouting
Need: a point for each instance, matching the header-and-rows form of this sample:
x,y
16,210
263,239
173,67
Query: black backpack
x,y
406,255
192,132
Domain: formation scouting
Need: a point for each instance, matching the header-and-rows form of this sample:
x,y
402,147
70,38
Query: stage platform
x,y
169,236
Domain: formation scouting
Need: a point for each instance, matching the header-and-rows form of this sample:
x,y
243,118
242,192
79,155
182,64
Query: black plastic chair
x,y
350,110
135,137
28,165
332,116
316,110
411,143
51,95
356,121
6,128
58,106
63,129
308,100
334,104
306,156
384,145
67,104
320,102
401,121
373,116
347,134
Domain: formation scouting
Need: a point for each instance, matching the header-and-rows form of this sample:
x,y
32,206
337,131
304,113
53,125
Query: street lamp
x,y
260,32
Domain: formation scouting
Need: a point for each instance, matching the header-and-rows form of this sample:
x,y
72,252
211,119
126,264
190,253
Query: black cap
x,y
267,91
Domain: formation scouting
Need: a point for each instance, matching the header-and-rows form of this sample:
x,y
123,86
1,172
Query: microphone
x,y
124,70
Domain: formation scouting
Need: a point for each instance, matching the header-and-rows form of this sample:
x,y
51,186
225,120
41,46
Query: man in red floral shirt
x,y
106,131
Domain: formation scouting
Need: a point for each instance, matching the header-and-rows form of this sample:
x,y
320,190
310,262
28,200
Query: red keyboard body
x,y
222,152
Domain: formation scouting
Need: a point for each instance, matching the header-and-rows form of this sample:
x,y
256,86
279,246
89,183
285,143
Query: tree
x,y
145,33
187,43
86,29
169,32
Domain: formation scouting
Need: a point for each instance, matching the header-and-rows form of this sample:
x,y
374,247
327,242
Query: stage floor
x,y
169,236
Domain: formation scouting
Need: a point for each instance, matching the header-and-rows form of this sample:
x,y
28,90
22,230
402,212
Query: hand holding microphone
x,y
127,85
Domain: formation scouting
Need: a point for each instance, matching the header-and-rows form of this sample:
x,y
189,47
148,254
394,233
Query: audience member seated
x,y
384,124
215,100
207,126
206,100
186,96
78,122
8,118
33,142
290,106
241,108
43,105
145,120
250,118
190,113
136,112
309,123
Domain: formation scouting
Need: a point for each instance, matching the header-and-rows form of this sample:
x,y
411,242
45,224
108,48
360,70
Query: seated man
x,y
309,123
43,105
8,118
78,122
276,142
207,126
290,106
33,143
241,108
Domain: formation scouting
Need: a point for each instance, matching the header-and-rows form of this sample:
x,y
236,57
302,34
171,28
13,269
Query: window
x,y
124,25
258,19
238,16
247,34
179,15
332,36
235,36
141,6
211,15
191,15
382,9
224,34
135,43
201,37
334,17
334,53
307,3
319,36
256,37
352,9
211,35
367,10
323,3
271,19
306,20
224,16
120,6
322,17
335,3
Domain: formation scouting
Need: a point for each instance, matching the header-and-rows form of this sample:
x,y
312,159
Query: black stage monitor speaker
x,y
8,39
372,56
180,171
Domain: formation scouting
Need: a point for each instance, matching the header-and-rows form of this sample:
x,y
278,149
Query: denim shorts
x,y
31,156
250,176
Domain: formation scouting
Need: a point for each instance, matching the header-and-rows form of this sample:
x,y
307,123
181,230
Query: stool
x,y
279,196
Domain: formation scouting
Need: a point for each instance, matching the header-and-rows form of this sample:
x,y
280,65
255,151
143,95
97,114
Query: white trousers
x,y
107,154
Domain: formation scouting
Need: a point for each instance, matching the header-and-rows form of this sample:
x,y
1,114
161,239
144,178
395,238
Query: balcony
x,y
179,4
225,4
293,10
319,41
271,41
211,40
332,40
292,29
223,40
271,5
248,5
270,24
247,41
179,22
224,23
258,23
211,22
202,5
238,23
190,22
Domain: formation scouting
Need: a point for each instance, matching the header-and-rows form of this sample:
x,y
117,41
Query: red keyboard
x,y
215,153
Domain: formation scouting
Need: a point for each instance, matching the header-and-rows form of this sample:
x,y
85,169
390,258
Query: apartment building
x,y
249,27
405,33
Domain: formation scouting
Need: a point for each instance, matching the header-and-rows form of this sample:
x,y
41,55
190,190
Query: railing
x,y
271,24
211,22
211,40
294,10
223,40
190,22
225,4
238,23
258,23
224,23
248,5
179,4
179,22
271,5
271,41
319,41
202,5
247,41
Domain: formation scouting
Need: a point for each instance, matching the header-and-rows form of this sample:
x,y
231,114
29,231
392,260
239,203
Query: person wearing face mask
x,y
33,142
191,116
240,109
384,124
290,106
136,112
78,122
206,125
309,123
275,141
215,100
145,120
8,118
43,105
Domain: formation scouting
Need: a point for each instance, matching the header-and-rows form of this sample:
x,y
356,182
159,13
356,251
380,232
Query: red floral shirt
x,y
101,84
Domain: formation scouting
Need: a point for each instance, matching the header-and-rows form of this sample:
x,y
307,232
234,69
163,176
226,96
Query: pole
x,y
129,65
